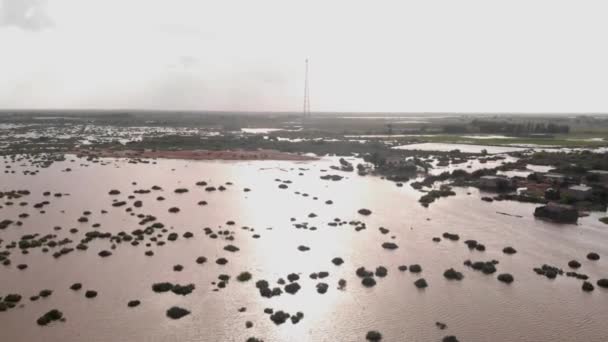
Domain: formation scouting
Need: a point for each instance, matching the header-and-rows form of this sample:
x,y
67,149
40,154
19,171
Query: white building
x,y
578,192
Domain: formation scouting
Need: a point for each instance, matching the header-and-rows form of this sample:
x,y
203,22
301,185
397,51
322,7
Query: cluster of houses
x,y
559,190
569,187
549,184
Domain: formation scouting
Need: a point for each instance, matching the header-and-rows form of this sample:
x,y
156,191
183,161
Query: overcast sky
x,y
425,55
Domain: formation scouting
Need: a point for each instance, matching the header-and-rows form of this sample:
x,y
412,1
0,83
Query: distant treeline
x,y
502,127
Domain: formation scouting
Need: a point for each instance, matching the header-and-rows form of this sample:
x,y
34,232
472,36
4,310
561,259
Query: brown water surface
x,y
479,308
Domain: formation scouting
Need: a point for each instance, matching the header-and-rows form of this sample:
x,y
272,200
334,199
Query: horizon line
x,y
28,110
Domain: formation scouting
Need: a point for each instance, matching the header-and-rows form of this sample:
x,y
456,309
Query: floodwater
x,y
403,118
387,135
466,148
260,130
483,136
479,308
469,166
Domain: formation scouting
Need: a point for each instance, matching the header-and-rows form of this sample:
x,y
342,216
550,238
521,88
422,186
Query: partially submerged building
x,y
578,192
556,178
556,212
600,175
496,183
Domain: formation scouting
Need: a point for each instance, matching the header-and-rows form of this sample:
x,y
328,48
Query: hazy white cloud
x,y
25,14
436,55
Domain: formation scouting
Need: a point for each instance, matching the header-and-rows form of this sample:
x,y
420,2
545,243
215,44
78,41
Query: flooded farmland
x,y
277,215
272,171
467,148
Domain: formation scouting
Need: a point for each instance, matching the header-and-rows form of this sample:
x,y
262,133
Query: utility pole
x,y
306,109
